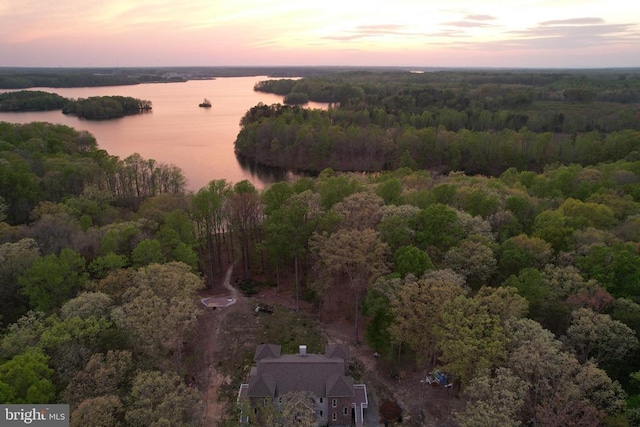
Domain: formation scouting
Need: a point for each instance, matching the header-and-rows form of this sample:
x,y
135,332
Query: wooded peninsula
x,y
483,223
92,108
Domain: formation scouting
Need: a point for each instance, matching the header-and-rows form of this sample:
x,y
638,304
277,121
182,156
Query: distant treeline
x,y
461,88
75,79
479,122
22,78
93,108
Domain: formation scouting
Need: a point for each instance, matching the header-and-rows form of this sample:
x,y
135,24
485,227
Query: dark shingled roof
x,y
339,386
316,375
267,350
293,372
337,350
262,386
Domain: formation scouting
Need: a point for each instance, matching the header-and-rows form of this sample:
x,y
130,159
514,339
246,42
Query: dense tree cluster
x,y
45,162
106,107
291,137
26,100
98,301
476,122
457,266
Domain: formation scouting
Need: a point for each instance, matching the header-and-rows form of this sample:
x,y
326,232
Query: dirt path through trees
x,y
212,381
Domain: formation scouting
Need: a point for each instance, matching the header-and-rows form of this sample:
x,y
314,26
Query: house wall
x,y
339,410
324,410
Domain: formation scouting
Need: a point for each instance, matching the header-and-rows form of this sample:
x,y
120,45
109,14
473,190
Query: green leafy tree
x,y
436,228
552,292
70,342
616,267
410,259
177,238
162,399
15,259
627,312
476,201
185,254
87,304
377,305
100,267
493,400
521,252
24,333
532,285
470,339
334,189
158,311
26,378
275,195
561,391
53,279
157,328
101,411
395,230
179,221
288,229
474,260
245,216
360,210
211,221
121,238
390,190
587,214
103,375
358,256
147,252
597,337
523,207
504,302
553,227
417,311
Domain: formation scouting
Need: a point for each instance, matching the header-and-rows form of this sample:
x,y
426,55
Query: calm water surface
x,y
197,140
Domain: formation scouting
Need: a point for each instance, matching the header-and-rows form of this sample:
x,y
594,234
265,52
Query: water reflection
x,y
200,141
270,174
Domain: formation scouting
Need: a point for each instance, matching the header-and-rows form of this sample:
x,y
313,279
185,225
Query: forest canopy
x,y
476,121
522,284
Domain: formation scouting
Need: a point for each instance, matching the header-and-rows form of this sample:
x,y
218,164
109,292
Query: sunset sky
x,y
427,33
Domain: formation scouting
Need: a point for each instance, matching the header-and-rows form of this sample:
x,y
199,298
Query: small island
x,y
93,108
106,107
205,104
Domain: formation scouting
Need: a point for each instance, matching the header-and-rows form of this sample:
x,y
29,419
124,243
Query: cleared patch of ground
x,y
228,337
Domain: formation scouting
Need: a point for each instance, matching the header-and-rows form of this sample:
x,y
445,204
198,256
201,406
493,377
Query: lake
x,y
197,140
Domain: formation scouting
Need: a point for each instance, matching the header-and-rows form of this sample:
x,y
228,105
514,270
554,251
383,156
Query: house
x,y
317,385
